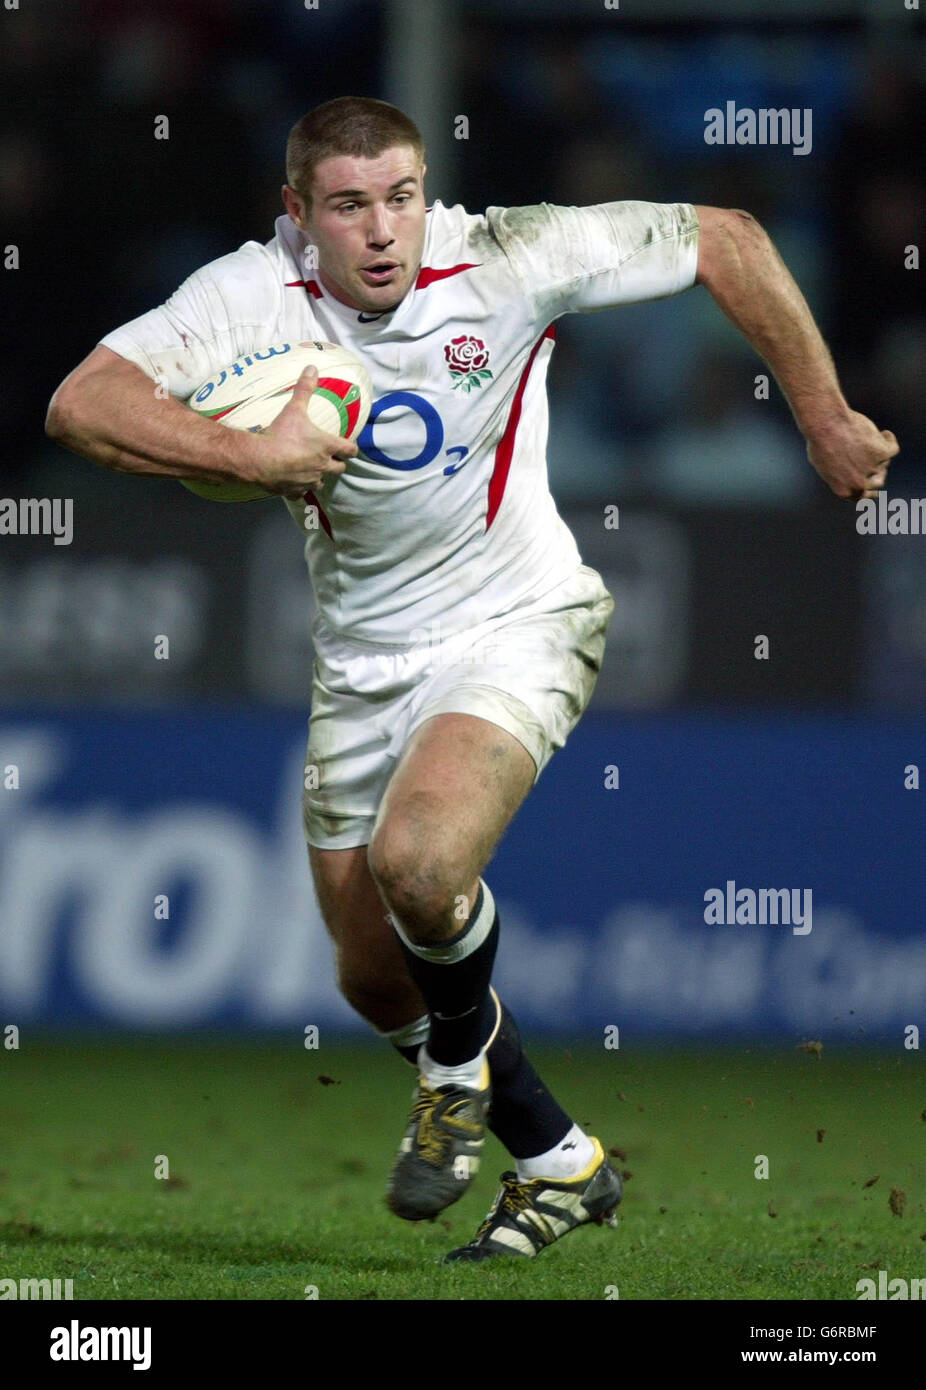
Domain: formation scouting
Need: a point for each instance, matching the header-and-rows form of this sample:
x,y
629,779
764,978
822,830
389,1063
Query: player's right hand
x,y
293,454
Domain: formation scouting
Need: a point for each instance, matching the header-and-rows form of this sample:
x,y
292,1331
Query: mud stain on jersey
x,y
528,223
480,241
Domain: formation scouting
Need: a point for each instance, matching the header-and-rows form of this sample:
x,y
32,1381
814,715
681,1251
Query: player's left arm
x,y
747,278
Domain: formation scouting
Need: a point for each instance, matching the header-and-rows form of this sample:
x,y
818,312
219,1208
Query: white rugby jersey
x,y
445,516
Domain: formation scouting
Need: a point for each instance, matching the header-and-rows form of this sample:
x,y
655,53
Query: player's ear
x,y
294,205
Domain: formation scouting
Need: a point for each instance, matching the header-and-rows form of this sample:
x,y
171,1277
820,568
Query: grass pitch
x,y
278,1159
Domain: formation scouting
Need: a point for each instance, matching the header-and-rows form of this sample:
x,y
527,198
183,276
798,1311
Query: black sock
x,y
409,1053
457,994
523,1115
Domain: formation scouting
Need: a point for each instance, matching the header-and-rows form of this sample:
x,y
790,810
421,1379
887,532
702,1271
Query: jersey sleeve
x,y
229,307
574,260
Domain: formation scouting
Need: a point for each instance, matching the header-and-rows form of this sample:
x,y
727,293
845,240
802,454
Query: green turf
x,y
277,1179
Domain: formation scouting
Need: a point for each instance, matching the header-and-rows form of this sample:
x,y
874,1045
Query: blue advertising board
x,y
674,876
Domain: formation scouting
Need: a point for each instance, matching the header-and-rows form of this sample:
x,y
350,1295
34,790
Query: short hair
x,y
359,126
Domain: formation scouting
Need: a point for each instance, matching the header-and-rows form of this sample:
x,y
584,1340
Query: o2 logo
x,y
433,439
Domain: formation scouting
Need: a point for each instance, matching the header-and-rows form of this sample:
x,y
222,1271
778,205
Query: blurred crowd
x,y
665,395
656,402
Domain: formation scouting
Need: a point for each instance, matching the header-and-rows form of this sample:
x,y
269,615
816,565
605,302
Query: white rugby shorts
x,y
531,672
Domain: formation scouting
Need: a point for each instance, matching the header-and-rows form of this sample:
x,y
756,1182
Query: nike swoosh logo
x,y
369,318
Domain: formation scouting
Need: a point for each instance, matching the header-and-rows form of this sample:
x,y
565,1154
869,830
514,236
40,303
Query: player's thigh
x,y
459,781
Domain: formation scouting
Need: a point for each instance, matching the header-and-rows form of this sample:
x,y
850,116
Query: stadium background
x,y
140,777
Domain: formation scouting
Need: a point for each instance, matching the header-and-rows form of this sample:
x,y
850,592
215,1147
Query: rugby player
x,y
458,635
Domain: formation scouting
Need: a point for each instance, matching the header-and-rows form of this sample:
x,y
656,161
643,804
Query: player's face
x,y
367,219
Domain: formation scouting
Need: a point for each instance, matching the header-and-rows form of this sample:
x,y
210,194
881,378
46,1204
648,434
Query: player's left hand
x,y
852,455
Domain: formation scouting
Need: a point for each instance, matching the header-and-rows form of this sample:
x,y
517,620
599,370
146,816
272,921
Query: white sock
x,y
410,1034
466,1074
566,1159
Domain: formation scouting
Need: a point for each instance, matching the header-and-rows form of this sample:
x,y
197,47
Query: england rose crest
x,y
467,359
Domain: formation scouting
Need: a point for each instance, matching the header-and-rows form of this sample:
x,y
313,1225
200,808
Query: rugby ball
x,y
250,393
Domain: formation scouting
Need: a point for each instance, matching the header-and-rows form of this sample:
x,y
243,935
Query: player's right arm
x,y
109,411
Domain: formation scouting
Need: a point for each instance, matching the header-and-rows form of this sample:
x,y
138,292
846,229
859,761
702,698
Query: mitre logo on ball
x,y
250,393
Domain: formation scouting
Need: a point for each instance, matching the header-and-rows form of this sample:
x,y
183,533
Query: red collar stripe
x,y
311,287
427,275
